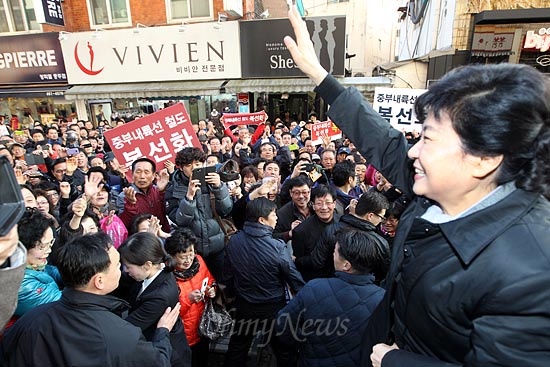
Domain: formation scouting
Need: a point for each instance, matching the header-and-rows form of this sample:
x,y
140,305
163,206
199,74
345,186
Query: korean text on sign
x,y
158,136
396,105
324,128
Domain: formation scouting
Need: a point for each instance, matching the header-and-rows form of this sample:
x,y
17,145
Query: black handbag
x,y
215,321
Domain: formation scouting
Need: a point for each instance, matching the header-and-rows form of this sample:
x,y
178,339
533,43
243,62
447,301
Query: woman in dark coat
x,y
468,282
153,291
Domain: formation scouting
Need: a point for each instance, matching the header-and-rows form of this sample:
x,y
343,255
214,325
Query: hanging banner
x,y
49,12
158,136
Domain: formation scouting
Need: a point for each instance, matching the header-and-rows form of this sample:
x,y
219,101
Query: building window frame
x,y
24,7
172,19
109,11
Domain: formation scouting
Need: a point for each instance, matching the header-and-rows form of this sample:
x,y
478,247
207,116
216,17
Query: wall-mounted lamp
x,y
264,14
63,36
97,33
182,27
222,17
138,26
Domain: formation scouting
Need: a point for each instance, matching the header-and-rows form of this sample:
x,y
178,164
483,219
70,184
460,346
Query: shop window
x,y
189,9
17,16
105,12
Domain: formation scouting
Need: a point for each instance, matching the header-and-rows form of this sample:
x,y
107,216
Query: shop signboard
x,y
200,51
321,129
396,105
31,59
49,12
264,54
158,136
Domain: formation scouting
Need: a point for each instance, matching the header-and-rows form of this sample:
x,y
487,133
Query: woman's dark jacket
x,y
148,307
473,291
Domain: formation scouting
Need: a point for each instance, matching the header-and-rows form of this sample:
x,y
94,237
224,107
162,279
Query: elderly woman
x,y
468,283
41,282
191,272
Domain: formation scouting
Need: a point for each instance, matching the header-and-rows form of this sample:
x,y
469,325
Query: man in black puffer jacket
x,y
369,212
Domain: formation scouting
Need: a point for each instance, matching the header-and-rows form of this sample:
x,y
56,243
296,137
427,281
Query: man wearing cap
x,y
144,197
342,154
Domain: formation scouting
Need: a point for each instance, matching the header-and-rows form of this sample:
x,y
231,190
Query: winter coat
x,y
287,214
148,307
320,261
328,317
191,312
257,266
472,291
304,240
37,288
82,328
149,202
197,214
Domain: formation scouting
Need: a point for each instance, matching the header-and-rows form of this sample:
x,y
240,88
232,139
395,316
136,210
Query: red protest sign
x,y
158,136
256,118
320,129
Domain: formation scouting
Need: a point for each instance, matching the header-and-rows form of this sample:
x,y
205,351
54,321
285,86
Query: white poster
x,y
201,51
396,105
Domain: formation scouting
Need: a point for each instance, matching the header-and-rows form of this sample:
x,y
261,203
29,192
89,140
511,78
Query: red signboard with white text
x,y
325,128
256,118
158,136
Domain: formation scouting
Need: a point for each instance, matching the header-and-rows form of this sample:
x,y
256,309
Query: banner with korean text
x,y
324,128
231,119
158,136
396,105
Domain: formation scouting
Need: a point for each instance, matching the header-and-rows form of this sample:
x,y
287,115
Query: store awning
x,y
33,92
300,85
145,90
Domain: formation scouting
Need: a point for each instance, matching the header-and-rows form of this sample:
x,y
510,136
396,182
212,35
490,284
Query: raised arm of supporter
x,y
257,133
380,144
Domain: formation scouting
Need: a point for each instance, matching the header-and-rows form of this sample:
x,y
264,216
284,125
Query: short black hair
x,y
32,226
366,253
100,170
179,241
342,171
259,208
144,159
298,181
83,257
189,155
320,191
371,201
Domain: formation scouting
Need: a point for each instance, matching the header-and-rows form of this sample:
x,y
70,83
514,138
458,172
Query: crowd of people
x,y
373,249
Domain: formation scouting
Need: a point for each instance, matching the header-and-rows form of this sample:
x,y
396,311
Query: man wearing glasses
x,y
296,211
365,216
305,236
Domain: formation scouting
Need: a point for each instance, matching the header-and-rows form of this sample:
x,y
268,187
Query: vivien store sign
x,y
200,51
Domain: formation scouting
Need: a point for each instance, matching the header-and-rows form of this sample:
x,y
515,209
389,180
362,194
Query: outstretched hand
x,y
302,50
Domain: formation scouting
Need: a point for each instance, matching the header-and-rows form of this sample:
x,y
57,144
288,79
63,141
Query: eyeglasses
x,y
321,204
380,216
44,246
298,192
